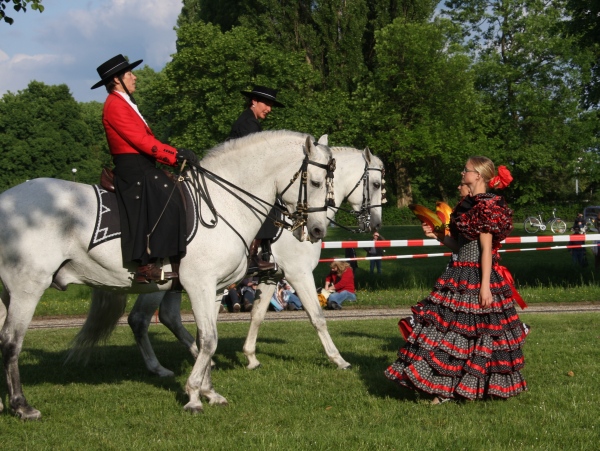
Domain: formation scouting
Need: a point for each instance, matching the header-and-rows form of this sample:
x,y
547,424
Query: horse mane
x,y
243,143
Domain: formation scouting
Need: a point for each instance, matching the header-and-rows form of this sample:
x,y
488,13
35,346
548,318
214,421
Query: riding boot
x,y
256,263
151,272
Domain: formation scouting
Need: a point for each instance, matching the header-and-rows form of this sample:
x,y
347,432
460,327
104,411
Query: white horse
x,y
359,178
46,226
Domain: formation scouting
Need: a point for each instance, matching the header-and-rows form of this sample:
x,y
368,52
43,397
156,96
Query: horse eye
x,y
315,184
376,185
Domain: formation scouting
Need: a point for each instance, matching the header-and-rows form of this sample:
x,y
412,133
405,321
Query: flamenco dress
x,y
454,347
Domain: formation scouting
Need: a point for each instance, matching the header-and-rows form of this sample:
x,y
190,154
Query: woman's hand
x,y
428,231
485,297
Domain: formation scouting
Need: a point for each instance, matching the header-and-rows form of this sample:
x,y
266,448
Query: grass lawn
x,y
542,277
297,400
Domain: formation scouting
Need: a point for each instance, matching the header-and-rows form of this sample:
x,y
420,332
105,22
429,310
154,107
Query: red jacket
x,y
343,283
127,133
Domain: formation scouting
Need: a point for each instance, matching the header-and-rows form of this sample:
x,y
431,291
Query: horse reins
x,y
299,217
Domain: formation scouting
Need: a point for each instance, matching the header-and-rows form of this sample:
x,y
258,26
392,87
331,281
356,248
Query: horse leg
x,y
170,315
17,319
199,382
139,320
261,305
306,290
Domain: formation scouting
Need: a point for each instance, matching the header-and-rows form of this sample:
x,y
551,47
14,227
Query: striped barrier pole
x,y
448,254
432,242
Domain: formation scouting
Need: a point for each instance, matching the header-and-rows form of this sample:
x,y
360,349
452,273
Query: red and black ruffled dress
x,y
454,348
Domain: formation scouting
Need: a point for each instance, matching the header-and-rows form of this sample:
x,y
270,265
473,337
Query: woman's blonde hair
x,y
339,267
484,166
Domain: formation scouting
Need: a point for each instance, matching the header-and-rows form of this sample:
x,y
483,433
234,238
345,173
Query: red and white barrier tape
x,y
430,242
448,254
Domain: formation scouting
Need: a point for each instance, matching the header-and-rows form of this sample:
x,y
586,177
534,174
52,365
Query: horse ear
x,y
308,147
368,155
324,140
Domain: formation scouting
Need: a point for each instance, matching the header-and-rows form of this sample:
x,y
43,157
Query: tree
x,y
44,133
531,80
210,68
421,109
19,5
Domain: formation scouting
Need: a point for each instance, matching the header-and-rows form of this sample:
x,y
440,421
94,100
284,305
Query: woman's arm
x,y
447,241
485,293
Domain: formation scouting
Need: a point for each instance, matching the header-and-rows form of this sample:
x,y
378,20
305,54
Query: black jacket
x,y
245,125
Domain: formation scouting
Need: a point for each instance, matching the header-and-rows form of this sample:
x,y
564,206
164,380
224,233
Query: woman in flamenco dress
x,y
464,341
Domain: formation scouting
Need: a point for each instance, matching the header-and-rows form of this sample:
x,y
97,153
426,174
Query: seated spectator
x,y
242,295
284,297
340,282
578,224
248,292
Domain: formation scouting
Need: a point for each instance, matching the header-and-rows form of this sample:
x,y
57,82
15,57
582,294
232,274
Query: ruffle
x,y
489,214
421,376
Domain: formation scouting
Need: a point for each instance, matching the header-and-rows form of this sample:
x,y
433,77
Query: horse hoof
x,y
348,366
163,372
193,408
27,413
218,401
253,366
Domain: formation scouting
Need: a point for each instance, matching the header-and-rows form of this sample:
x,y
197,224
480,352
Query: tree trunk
x,y
403,188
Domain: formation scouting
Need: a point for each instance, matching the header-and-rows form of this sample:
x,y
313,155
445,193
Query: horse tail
x,y
105,311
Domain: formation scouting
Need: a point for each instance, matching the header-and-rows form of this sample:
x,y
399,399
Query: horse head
x,y
359,180
306,194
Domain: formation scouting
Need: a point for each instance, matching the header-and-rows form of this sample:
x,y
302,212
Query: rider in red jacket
x,y
152,216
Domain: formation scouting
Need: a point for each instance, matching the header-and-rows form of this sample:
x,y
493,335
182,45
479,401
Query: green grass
x,y
542,277
297,400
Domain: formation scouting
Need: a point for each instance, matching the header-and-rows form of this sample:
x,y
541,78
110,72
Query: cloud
x,y
66,46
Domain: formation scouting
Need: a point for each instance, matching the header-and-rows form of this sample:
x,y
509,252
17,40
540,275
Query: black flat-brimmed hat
x,y
262,92
114,66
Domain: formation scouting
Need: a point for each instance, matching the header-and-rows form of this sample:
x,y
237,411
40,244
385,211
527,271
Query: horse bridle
x,y
362,216
299,217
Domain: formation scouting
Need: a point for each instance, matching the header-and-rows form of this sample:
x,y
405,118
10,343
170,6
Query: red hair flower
x,y
502,180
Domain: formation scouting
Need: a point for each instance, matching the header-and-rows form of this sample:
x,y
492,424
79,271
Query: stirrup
x,y
152,273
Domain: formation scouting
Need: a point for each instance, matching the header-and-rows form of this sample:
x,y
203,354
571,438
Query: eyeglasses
x,y
468,170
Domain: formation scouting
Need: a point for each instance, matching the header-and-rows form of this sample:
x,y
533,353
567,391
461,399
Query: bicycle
x,y
533,224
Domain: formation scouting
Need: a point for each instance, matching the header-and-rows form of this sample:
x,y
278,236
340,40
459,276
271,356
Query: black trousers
x,y
143,192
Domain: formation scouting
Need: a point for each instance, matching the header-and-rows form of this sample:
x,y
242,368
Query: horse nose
x,y
317,233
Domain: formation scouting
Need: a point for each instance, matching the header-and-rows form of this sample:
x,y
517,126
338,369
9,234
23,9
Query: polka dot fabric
x,y
455,348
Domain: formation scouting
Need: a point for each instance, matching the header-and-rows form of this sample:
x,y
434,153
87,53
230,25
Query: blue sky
x,y
71,38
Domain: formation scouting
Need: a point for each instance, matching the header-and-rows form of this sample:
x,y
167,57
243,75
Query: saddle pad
x,y
107,226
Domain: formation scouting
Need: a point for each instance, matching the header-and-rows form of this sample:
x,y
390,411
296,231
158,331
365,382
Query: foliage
x,y
204,80
422,109
45,133
583,24
19,5
530,78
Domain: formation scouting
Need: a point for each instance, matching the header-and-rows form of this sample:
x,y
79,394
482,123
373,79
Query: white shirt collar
x,y
133,105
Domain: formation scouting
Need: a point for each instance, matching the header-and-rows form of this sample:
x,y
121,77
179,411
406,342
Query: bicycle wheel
x,y
558,226
532,224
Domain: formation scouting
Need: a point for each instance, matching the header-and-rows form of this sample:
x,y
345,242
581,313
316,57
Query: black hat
x,y
262,92
114,66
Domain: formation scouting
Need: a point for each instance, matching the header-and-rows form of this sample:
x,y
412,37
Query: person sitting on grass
x,y
340,282
284,298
